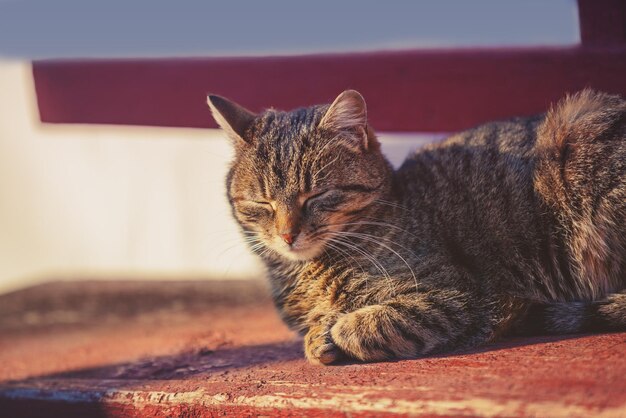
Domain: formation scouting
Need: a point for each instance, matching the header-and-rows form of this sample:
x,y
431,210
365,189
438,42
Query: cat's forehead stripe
x,y
283,140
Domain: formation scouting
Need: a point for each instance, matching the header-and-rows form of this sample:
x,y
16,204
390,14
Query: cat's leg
x,y
319,347
413,325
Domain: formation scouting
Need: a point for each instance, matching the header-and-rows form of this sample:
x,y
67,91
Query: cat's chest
x,y
298,295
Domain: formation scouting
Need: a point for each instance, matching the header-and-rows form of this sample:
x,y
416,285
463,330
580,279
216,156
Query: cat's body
x,y
516,226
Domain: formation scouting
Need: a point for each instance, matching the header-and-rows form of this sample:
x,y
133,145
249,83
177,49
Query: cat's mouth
x,y
299,250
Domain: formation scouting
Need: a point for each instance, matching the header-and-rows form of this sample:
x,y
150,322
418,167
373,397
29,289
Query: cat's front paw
x,y
373,333
325,354
320,349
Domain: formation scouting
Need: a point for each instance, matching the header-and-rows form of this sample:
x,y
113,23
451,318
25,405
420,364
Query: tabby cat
x,y
512,227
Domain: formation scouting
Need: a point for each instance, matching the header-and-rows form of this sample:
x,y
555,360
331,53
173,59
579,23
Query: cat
x,y
513,227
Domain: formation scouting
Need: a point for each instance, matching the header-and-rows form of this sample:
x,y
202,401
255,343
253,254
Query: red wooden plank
x,y
602,22
440,90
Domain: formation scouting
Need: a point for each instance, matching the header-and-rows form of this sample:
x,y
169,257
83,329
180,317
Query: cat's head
x,y
301,177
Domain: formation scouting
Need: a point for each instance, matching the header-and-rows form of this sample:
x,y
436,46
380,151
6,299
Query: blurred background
x,y
85,201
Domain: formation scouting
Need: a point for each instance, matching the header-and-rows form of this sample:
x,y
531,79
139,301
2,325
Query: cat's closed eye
x,y
325,201
262,203
316,197
255,209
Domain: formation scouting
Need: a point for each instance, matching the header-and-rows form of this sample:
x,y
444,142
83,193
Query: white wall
x,y
85,201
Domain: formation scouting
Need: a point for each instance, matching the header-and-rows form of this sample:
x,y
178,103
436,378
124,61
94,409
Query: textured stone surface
x,y
213,348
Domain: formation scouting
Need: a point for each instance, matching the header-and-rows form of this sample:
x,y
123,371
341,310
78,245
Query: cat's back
x,y
476,165
473,203
541,197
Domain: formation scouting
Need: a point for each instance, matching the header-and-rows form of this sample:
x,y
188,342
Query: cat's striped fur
x,y
514,226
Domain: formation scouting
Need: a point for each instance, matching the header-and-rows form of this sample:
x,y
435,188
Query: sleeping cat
x,y
512,227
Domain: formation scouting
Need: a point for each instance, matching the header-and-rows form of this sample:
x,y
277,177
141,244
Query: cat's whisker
x,y
347,254
374,240
261,249
257,246
383,224
252,233
369,257
229,248
252,242
391,204
251,237
248,240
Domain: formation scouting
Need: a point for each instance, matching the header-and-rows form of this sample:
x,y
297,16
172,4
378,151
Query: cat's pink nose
x,y
288,238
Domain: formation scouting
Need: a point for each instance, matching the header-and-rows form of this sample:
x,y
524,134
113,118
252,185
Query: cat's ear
x,y
348,113
231,117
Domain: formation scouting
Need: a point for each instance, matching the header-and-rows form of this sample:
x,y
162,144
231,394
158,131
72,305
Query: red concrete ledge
x,y
416,90
210,348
